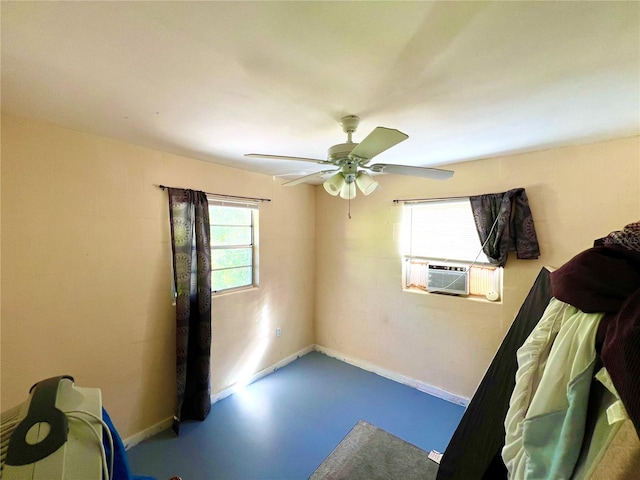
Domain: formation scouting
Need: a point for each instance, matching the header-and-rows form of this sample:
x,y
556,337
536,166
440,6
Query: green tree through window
x,y
233,242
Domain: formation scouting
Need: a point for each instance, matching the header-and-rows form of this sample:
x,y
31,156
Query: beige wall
x,y
576,194
86,266
86,270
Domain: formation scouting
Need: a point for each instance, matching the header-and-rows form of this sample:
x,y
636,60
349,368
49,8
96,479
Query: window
x,y
443,234
234,234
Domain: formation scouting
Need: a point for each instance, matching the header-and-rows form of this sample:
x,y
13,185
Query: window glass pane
x,y
229,215
231,278
230,235
233,246
231,257
442,230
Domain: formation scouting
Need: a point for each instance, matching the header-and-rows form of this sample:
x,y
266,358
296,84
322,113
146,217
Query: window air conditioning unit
x,y
448,278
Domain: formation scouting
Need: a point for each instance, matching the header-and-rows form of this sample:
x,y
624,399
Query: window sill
x,y
224,292
473,298
233,290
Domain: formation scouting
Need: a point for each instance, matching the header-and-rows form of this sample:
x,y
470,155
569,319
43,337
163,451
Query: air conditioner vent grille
x,y
447,278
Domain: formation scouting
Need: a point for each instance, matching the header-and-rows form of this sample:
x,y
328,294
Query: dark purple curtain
x,y
504,224
189,215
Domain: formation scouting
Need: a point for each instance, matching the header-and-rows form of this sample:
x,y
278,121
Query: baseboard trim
x,y
133,440
396,377
216,397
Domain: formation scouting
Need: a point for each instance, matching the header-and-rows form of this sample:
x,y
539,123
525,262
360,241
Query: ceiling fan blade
x,y
379,140
292,175
296,181
284,157
435,173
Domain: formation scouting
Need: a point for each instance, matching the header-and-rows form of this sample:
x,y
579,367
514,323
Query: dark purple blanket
x,y
607,279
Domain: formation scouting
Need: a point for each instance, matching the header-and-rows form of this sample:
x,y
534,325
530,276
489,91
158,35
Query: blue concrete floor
x,y
284,425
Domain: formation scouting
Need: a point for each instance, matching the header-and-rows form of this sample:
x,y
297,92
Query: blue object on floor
x,y
285,424
121,470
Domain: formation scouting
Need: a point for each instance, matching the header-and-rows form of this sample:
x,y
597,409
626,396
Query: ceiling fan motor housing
x,y
340,151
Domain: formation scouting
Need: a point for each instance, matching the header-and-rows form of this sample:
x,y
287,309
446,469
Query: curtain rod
x,y
430,199
163,187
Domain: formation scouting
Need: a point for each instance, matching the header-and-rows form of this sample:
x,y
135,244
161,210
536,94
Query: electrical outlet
x,y
278,331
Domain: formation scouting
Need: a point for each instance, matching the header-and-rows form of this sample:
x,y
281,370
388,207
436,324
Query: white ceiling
x,y
215,80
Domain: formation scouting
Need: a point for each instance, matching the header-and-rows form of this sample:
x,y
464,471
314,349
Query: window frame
x,y
254,224
476,268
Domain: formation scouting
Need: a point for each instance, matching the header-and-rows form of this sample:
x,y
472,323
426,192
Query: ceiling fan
x,y
350,161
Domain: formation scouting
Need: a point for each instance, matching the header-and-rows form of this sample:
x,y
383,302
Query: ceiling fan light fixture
x,y
334,185
348,191
366,183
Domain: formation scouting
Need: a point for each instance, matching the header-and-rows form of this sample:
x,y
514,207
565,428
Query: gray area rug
x,y
370,453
